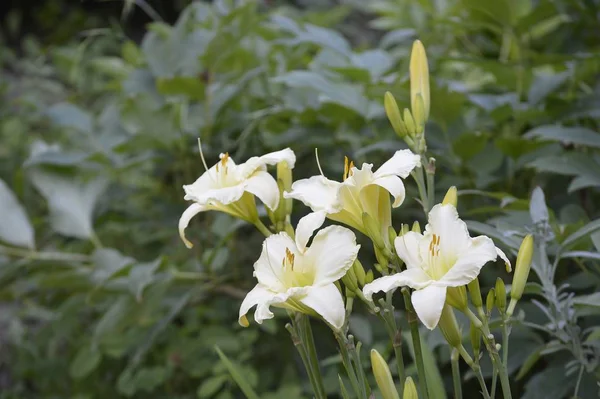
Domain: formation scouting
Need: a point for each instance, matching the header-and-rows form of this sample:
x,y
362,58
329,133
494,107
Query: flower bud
x,y
392,235
383,377
409,122
284,174
416,227
475,293
475,335
403,229
449,327
350,280
418,112
410,390
451,197
393,113
359,272
369,277
500,295
490,300
522,267
457,297
419,77
372,228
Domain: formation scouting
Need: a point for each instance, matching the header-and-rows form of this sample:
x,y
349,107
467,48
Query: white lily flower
x,y
293,276
444,256
361,190
231,188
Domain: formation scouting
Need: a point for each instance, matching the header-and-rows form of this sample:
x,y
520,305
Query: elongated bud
x,y
418,112
359,271
404,229
284,174
449,327
475,335
383,377
350,280
410,389
475,293
419,77
410,123
393,113
500,295
369,277
392,235
373,230
416,227
457,297
522,267
451,197
490,300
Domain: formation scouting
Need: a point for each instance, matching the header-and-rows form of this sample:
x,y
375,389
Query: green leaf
x,y
15,227
211,386
529,362
537,207
566,135
435,384
71,202
141,275
71,116
86,360
583,232
549,383
592,300
237,376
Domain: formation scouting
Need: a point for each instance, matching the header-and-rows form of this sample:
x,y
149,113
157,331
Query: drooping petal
x,y
316,192
331,254
428,304
414,278
451,230
252,164
394,185
502,256
400,164
407,248
261,297
306,227
469,262
185,218
264,186
224,195
328,302
268,269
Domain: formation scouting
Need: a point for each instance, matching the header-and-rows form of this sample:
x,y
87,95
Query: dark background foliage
x,y
101,103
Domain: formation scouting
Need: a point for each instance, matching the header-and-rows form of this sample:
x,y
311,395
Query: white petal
x,y
264,186
407,248
317,192
428,304
394,185
251,165
306,227
414,278
331,254
260,296
327,302
453,232
185,218
224,195
400,164
268,269
469,263
502,256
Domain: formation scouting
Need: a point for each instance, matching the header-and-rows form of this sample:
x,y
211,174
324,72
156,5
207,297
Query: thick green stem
x,y
456,374
302,352
505,335
416,338
494,382
311,353
342,343
262,228
419,179
396,337
476,369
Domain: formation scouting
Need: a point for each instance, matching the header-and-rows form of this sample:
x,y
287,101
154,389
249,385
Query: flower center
x,y
348,165
294,274
436,263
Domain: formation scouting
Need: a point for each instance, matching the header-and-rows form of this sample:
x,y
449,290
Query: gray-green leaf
x,y
15,228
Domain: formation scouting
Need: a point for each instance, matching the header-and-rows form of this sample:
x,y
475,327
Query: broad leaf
x,y
15,227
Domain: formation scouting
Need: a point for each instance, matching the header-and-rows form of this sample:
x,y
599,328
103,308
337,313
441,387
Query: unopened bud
x,y
284,174
372,228
419,77
522,267
490,300
350,281
359,271
404,229
392,235
475,293
369,277
416,227
418,112
393,113
449,327
410,389
451,197
409,122
500,295
383,377
475,335
457,297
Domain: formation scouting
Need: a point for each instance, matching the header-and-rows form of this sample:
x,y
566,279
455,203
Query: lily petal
x,y
332,253
264,186
414,278
261,297
317,192
224,195
400,164
268,269
407,248
185,218
428,304
453,232
469,263
252,164
394,185
502,256
307,226
327,302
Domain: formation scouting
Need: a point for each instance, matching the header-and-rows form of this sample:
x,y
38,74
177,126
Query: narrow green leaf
x,y
586,230
530,362
236,375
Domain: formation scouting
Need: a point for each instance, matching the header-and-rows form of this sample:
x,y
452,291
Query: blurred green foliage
x,y
101,299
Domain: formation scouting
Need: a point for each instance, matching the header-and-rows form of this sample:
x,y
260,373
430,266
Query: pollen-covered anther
x,y
224,159
434,245
348,165
289,259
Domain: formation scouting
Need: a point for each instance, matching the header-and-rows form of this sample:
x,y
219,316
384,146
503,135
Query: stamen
x,y
318,163
345,176
202,155
350,172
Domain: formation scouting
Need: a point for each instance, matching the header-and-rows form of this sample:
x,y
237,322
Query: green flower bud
x,y
416,227
410,390
419,114
451,197
373,230
500,295
419,77
369,277
457,297
392,235
410,123
449,327
403,229
490,300
522,267
475,335
475,293
284,174
393,113
359,271
383,377
350,280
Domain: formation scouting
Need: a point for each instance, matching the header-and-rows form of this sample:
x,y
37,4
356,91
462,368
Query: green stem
x,y
418,176
476,369
262,228
505,335
302,352
430,173
355,354
456,374
494,382
387,314
416,338
49,256
342,343
311,353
